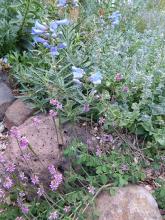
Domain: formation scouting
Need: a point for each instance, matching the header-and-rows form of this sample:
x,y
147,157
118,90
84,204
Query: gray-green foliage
x,y
134,51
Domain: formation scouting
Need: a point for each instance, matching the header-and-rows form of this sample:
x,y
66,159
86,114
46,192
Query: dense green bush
x,y
16,18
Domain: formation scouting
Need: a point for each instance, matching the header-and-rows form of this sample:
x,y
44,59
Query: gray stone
x,y
129,203
6,98
17,113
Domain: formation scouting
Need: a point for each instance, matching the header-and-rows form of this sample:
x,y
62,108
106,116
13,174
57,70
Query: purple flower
x,y
75,3
10,167
40,26
52,169
53,215
63,22
36,31
35,180
91,190
101,120
126,89
54,51
19,218
22,176
59,106
8,183
67,209
61,3
40,191
78,73
96,78
115,18
14,132
86,107
53,102
98,152
40,40
52,113
23,142
24,209
53,26
118,77
61,46
56,181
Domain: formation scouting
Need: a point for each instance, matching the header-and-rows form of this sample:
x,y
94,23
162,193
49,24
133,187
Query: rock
x,y
129,203
2,127
17,113
44,151
6,99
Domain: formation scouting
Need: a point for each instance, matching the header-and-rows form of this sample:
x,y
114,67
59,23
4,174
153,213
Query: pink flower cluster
x,y
22,140
53,215
56,178
91,190
57,105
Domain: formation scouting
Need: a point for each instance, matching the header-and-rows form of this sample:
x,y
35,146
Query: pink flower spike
x,y
118,77
101,120
52,169
91,190
53,215
53,102
24,209
55,183
22,176
14,132
19,218
8,183
59,106
23,142
10,167
98,152
35,180
126,89
52,113
67,209
40,191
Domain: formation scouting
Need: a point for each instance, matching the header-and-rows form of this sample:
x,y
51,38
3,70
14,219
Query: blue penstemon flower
x,y
78,73
61,3
39,28
50,36
115,18
96,78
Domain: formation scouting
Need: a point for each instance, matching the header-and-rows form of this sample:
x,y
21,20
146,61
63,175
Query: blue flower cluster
x,y
63,3
115,18
78,73
49,35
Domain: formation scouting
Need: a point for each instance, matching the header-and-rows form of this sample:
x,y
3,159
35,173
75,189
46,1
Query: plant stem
x,y
24,18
